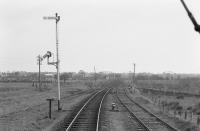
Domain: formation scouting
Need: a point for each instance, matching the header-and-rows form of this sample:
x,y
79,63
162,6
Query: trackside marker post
x,y
50,101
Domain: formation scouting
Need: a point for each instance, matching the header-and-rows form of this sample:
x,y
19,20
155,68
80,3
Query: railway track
x,y
87,118
142,118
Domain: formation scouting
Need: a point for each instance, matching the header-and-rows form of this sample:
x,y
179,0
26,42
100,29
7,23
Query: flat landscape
x,y
23,107
99,65
185,92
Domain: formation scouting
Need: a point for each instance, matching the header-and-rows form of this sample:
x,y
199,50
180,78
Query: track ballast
x,y
146,120
87,119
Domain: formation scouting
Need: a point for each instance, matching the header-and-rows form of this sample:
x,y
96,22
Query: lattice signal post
x,y
57,63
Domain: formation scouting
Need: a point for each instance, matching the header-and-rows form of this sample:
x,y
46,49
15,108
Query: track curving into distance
x,y
87,119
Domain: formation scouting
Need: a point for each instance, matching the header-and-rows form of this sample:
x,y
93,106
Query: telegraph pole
x,y
57,63
134,73
39,73
95,79
39,76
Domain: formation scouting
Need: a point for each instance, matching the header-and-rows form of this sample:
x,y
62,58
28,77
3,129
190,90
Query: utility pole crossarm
x,y
196,25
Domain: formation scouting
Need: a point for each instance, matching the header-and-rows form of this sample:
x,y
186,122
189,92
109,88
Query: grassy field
x,y
183,85
23,107
172,100
19,96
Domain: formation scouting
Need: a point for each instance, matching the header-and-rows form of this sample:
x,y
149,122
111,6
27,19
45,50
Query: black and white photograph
x,y
99,65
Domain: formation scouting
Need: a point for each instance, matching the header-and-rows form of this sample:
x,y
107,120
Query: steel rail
x,y
143,108
133,115
98,119
82,108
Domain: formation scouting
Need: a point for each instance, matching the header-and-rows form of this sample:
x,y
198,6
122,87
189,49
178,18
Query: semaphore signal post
x,y
49,54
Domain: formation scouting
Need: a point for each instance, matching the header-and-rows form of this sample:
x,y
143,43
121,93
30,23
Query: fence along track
x,y
88,116
159,119
151,121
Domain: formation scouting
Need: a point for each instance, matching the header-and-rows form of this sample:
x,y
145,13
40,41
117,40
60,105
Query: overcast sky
x,y
157,35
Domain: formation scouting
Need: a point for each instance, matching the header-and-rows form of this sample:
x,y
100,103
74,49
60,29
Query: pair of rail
x,y
143,125
98,99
